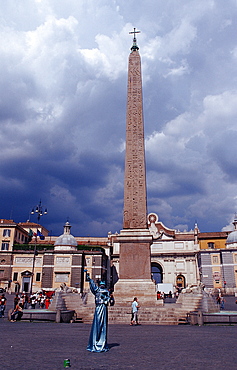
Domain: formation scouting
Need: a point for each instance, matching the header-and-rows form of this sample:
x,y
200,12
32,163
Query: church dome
x,y
232,237
66,241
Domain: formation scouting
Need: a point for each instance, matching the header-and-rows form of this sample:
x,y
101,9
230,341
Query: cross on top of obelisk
x,y
134,47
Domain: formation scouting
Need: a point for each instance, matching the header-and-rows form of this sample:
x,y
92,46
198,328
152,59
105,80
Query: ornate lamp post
x,y
40,210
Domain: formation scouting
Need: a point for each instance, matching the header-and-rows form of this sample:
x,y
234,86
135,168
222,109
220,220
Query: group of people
x,y
17,310
162,295
31,301
25,301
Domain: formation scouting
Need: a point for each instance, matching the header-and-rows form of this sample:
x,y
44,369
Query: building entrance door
x,y
26,281
26,284
180,282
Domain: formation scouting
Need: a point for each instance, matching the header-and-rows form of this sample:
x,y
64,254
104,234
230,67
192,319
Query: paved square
x,y
36,345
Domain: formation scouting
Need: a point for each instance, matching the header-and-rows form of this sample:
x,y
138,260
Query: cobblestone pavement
x,y
29,346
41,345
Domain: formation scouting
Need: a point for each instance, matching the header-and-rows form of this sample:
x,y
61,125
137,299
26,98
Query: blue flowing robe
x,y
98,335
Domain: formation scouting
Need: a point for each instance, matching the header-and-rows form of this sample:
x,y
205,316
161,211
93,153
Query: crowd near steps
x,y
188,305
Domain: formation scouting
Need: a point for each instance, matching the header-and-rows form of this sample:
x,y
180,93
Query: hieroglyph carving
x,y
135,207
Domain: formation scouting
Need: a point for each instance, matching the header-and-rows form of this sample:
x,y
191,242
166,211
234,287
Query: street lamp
x,y
40,210
33,267
223,271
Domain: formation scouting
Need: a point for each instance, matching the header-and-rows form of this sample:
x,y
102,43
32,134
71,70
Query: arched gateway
x,y
157,272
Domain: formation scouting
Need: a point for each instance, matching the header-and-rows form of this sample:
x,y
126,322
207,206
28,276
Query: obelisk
x,y
135,238
135,203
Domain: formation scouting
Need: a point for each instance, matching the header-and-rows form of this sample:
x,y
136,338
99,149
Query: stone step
x,y
170,314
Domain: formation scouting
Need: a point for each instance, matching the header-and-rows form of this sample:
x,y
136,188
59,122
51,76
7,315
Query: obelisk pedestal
x,y
134,268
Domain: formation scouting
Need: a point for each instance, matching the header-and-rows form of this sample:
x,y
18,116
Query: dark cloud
x,y
63,110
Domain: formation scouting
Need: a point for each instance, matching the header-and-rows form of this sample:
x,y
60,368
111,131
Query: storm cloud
x,y
63,93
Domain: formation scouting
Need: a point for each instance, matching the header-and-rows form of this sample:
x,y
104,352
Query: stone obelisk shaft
x,y
135,202
135,239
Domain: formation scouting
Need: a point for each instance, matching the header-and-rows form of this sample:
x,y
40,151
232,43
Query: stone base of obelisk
x,y
144,289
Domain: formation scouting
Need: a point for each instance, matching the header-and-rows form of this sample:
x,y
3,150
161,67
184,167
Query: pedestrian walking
x,y
222,303
135,307
47,302
112,300
3,302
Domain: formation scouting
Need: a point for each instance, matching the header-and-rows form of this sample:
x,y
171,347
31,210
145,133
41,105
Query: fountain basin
x,y
202,318
47,315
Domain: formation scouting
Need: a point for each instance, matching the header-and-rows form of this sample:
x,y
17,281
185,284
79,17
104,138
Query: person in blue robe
x,y
98,336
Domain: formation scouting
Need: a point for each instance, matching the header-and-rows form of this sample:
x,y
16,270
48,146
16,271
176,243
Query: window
x,y
5,246
180,265
1,274
62,277
37,276
215,260
7,233
15,276
179,245
216,276
180,281
211,245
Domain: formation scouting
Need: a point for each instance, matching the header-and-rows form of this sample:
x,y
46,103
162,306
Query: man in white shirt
x,y
135,307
